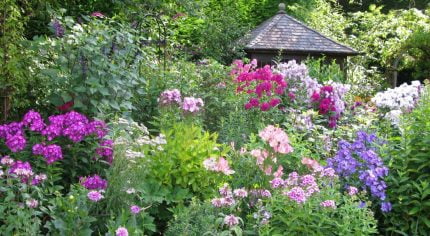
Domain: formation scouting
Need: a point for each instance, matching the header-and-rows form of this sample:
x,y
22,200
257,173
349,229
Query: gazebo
x,y
284,36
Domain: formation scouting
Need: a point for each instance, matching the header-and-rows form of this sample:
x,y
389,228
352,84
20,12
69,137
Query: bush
x,y
409,185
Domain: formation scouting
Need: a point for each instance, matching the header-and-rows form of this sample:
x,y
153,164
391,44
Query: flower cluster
x,y
277,139
262,84
93,182
231,220
227,198
360,158
220,165
189,104
21,170
51,152
398,100
95,196
169,97
328,101
192,104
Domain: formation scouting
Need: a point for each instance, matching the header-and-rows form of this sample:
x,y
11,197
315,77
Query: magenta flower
x,y
297,194
352,191
97,14
135,209
93,182
38,179
52,153
16,143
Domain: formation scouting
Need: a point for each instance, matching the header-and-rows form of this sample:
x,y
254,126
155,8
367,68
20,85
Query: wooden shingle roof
x,y
283,32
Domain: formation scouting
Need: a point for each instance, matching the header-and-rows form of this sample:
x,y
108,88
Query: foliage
x,y
93,65
409,180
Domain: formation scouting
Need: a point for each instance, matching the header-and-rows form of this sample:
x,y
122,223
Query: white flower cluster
x,y
403,97
398,100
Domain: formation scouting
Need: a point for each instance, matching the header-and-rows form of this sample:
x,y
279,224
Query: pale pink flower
x,y
135,209
279,172
328,204
121,231
32,203
231,220
352,191
241,192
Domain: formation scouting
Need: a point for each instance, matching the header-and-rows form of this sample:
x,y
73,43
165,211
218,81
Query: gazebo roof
x,y
283,32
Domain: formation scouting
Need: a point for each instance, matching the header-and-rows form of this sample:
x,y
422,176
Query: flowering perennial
x,y
220,165
276,138
169,97
360,158
93,182
262,84
231,220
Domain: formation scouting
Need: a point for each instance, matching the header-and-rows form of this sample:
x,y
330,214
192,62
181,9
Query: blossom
x,y
328,204
276,138
169,97
225,190
97,14
58,29
130,191
191,104
352,191
297,194
220,165
277,183
386,207
135,209
38,179
241,192
95,196
231,220
121,231
6,160
22,170
32,203
52,153
16,142
93,182
106,149
33,120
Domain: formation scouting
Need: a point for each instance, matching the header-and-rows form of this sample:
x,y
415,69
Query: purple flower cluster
x,y
72,125
58,29
169,97
21,170
192,104
51,152
93,182
359,159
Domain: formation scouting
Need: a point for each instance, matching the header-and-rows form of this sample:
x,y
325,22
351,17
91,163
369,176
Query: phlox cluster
x,y
264,86
173,97
358,161
277,139
218,165
94,182
398,100
71,125
21,170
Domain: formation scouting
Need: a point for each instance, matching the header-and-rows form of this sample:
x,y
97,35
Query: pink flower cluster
x,y
328,101
227,198
93,182
95,196
135,209
106,149
189,104
220,165
192,104
260,83
51,152
21,170
328,204
277,139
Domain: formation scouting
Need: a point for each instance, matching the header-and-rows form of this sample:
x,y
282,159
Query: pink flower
x,y
264,106
218,166
352,191
279,172
97,14
241,192
32,203
328,204
310,163
276,138
297,194
277,183
121,231
135,209
95,196
217,202
231,220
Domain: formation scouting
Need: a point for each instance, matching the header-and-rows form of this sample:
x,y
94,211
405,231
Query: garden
x,y
145,117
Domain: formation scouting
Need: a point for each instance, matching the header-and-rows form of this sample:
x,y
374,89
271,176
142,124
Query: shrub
x,y
409,185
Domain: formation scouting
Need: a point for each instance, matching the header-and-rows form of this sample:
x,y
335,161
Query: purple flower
x,y
93,182
22,170
192,104
38,179
38,149
121,231
386,207
95,196
307,180
16,143
52,153
352,191
169,97
241,193
33,120
277,183
135,209
328,204
297,194
58,29
106,150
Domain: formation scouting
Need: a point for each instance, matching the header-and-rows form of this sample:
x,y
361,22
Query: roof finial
x,y
281,8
